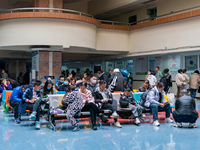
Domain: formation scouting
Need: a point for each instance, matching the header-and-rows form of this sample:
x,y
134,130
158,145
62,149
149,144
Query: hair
x,y
78,69
100,72
160,85
184,70
180,70
149,70
152,73
25,86
88,78
70,74
196,71
127,89
166,70
146,81
70,88
158,67
37,83
111,69
83,84
46,91
102,82
61,76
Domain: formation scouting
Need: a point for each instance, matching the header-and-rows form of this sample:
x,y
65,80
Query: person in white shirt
x,y
152,79
187,79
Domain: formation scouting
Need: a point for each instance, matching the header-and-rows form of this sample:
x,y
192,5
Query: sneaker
x,y
37,125
94,127
156,123
114,115
168,120
192,125
137,121
104,118
117,124
32,116
76,128
178,125
17,121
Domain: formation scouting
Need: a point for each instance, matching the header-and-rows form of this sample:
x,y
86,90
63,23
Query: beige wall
x,y
115,40
162,8
78,6
169,35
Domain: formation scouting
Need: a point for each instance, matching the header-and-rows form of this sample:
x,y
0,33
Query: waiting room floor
x,y
131,137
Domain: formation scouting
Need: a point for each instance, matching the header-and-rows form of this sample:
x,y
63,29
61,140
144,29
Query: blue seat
x,y
137,95
61,92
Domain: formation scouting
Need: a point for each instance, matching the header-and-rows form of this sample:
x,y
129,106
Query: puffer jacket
x,y
194,81
185,105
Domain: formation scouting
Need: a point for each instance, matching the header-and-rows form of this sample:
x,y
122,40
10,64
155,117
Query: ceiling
x,y
131,7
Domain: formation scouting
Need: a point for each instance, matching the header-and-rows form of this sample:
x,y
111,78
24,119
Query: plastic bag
x,y
171,99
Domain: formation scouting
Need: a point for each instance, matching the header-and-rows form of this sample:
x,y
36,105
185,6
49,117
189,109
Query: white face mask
x,y
94,81
149,73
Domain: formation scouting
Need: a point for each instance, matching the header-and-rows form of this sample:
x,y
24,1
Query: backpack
x,y
143,97
113,84
164,79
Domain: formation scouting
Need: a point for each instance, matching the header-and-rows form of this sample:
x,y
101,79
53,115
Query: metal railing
x,y
37,9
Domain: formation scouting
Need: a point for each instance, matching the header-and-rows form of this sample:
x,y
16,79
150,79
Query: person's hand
x,y
134,102
31,101
171,87
105,101
129,104
162,105
4,82
165,103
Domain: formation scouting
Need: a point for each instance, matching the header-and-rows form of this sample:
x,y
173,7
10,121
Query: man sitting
x,y
15,99
92,85
127,100
156,102
60,82
31,101
145,86
103,98
185,110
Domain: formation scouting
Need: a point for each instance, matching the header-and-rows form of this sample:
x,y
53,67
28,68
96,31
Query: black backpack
x,y
164,79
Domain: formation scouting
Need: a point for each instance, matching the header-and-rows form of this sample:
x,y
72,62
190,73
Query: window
x,y
152,13
133,20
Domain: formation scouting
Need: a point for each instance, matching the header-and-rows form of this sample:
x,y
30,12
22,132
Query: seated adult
x,y
104,100
145,86
74,103
15,99
89,104
156,102
102,76
185,110
31,101
4,86
65,85
127,100
60,82
47,90
43,81
116,82
14,83
92,84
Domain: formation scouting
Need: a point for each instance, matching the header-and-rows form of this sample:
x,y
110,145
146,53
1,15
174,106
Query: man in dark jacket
x,y
185,110
127,100
15,99
31,101
119,81
92,85
103,99
145,86
103,77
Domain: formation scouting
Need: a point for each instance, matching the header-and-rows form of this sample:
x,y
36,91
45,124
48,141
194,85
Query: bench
x,y
54,102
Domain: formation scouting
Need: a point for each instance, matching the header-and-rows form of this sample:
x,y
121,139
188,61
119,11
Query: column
x,y
48,3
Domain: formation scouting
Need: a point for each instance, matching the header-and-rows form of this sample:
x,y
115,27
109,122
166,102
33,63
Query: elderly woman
x,y
74,102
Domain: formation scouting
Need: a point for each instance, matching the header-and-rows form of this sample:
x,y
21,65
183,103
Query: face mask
x,y
48,88
37,90
111,74
42,84
61,81
94,81
99,76
149,73
65,83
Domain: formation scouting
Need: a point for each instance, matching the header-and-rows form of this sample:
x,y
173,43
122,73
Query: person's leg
x,y
70,116
166,108
175,117
35,115
114,105
154,109
178,91
191,93
195,93
134,110
36,105
15,105
88,107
